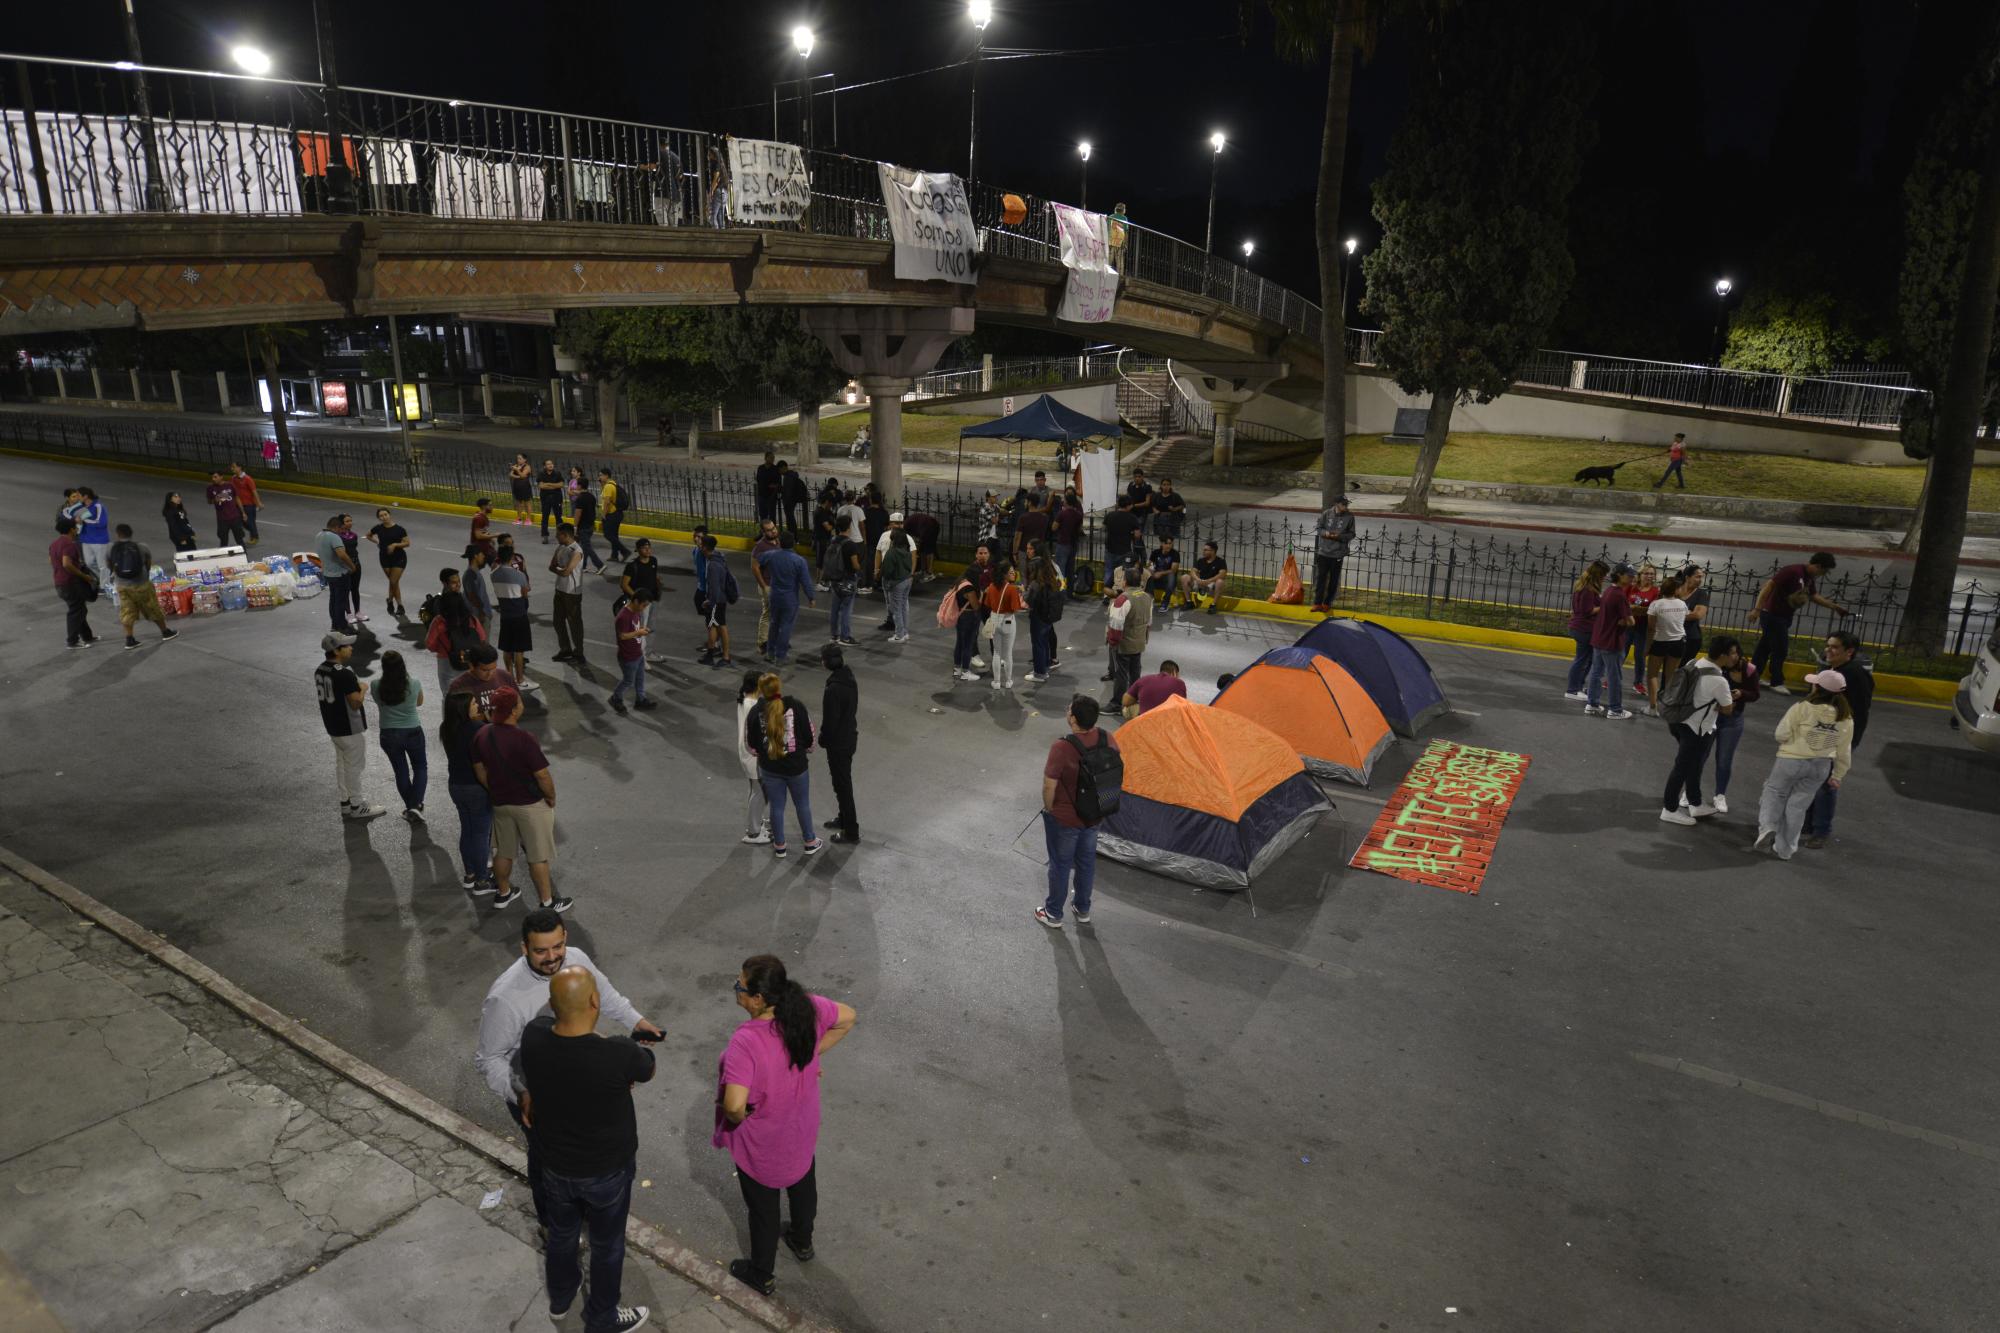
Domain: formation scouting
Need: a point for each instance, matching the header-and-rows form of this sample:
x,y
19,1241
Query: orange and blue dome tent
x,y
1210,797
1386,664
1316,706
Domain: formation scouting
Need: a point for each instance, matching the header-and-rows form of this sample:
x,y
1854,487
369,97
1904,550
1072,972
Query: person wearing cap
x,y
341,700
1843,654
1332,539
1607,646
1815,749
511,766
895,566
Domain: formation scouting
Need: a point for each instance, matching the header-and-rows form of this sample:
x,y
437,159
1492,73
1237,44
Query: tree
x,y
1342,27
1784,329
770,345
1966,384
1474,263
421,356
664,355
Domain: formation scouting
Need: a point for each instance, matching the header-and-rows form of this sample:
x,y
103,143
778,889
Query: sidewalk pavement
x,y
1628,526
169,1164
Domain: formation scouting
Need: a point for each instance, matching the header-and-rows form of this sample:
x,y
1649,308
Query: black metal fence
x,y
1519,584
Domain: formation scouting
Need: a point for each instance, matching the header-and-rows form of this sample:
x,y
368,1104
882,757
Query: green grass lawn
x,y
1537,460
921,430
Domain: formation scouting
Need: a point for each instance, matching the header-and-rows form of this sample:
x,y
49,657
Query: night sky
x,y
1730,135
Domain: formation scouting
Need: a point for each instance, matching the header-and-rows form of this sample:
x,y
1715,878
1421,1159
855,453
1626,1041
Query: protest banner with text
x,y
1092,289
1441,825
931,223
768,182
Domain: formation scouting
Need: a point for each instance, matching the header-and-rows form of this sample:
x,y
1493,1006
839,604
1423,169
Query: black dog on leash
x,y
1607,475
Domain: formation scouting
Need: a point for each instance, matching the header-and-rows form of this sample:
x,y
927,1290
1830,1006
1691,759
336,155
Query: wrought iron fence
x,y
1515,584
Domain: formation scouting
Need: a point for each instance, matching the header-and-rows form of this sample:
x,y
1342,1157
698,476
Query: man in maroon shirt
x,y
1607,644
1067,530
1149,692
1782,595
74,583
1072,844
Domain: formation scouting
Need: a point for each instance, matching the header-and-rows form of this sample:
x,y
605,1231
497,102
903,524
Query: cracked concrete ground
x,y
166,1164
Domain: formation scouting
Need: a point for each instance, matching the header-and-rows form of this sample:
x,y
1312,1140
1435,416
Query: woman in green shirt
x,y
398,697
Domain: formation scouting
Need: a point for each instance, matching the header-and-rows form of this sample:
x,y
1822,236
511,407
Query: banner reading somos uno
x,y
931,223
767,181
1442,823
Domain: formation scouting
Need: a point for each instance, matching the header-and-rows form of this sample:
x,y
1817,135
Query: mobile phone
x,y
645,1038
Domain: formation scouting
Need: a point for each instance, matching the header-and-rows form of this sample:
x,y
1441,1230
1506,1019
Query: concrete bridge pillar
x,y
1227,387
886,348
1225,432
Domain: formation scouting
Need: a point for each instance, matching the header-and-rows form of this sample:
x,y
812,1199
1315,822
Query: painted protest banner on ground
x,y
767,182
932,224
1092,289
1441,825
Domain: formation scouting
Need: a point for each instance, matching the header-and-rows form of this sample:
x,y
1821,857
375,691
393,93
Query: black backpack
x,y
1100,779
462,642
1082,582
1676,703
730,592
128,563
1047,603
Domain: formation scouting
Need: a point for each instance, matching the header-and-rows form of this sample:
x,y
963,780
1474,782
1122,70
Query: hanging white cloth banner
x,y
464,186
389,161
769,182
1092,289
1095,476
931,223
97,164
590,182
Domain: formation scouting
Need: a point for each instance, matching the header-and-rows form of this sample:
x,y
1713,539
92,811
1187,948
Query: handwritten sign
x,y
1092,289
1441,825
768,181
931,223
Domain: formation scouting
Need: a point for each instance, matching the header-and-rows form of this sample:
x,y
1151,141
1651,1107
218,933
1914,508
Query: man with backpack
x,y
613,502
131,574
721,592
1081,783
1693,701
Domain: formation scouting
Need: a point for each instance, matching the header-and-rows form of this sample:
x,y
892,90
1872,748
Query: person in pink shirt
x,y
767,1108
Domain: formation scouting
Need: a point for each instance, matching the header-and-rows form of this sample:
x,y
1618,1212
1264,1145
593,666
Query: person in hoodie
x,y
838,735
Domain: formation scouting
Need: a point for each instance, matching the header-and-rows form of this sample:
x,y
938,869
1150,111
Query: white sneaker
x,y
996,683
1575,696
1038,679
1675,817
757,839
1704,810
1593,710
1721,804
364,811
978,663
415,814
1617,715
1647,710
899,638
531,686
1765,836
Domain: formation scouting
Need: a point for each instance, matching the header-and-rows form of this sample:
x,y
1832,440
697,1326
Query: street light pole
x,y
1346,261
149,144
1722,289
339,179
981,14
802,38
1215,141
1083,192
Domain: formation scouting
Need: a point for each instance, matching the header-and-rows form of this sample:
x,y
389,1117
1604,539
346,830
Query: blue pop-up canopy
x,y
1043,419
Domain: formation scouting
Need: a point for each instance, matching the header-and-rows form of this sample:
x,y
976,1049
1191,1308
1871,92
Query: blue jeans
x,y
339,601
842,614
1607,664
1579,665
1069,848
475,828
1676,470
777,786
1819,815
1066,559
1635,640
897,595
1041,643
600,1203
250,520
784,614
405,748
591,559
632,676
1774,643
1728,735
610,529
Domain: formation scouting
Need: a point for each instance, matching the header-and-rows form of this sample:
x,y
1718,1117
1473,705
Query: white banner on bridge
x,y
1092,289
768,181
932,224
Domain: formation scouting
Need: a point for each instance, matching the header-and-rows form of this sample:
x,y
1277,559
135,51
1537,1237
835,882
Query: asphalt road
x,y
1359,1104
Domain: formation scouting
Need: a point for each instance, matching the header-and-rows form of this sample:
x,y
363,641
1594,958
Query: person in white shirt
x,y
1694,733
517,998
1666,646
850,518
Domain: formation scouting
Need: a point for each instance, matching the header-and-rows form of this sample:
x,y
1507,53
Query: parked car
x,y
1976,709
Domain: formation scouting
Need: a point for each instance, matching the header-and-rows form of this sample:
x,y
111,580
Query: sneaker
x,y
359,616
468,879
483,888
812,848
82,643
507,897
1211,608
802,1253
1082,917
415,814
996,685
1765,836
1675,817
1052,922
1647,710
740,1270
169,635
979,664
531,686
848,643
364,810
1576,696
1816,841
824,587
644,703
617,704
628,1317
1639,688
1593,710
1721,804
843,839
1035,677
778,850
1618,715
756,839
656,658
390,606
560,904
130,643
1704,810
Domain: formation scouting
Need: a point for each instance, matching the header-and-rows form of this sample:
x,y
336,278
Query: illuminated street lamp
x,y
1723,287
802,38
1346,261
981,14
250,59
1215,141
1249,248
1083,194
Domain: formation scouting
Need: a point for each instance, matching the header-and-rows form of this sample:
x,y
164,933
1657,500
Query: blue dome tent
x,y
1389,667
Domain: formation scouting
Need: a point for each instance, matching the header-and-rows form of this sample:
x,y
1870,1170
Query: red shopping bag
x,y
1291,591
